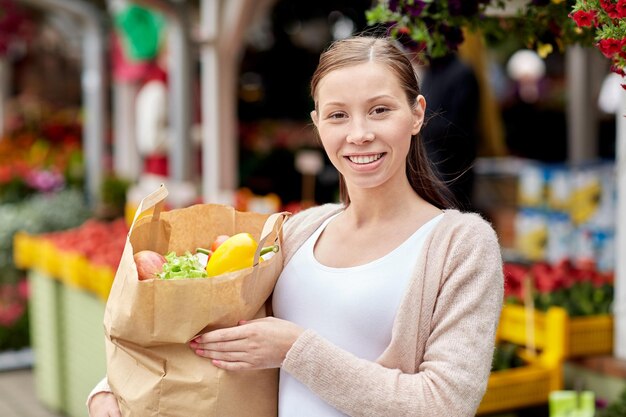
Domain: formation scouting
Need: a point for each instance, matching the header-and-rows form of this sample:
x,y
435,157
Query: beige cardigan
x,y
439,358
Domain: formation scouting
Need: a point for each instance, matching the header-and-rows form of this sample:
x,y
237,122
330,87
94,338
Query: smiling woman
x,y
387,304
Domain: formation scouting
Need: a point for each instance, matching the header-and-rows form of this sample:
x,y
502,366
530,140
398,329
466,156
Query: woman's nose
x,y
359,133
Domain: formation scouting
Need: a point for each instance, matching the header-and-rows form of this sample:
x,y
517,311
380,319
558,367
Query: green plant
x,y
505,357
432,28
113,193
616,408
37,214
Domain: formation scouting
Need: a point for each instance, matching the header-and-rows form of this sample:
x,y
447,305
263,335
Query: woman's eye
x,y
337,116
380,110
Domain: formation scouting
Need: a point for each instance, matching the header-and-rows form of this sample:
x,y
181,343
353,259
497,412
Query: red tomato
x,y
218,241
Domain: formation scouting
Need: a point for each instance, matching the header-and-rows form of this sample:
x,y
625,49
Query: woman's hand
x,y
255,344
104,404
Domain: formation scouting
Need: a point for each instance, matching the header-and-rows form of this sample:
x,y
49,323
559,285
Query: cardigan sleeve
x,y
451,379
102,386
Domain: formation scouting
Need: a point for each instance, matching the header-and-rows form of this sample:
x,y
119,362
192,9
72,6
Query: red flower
x,y
610,8
610,47
513,280
621,8
583,18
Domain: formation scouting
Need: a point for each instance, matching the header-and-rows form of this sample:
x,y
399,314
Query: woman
x,y
388,303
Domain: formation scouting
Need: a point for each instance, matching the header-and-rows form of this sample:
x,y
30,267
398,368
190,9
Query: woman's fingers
x,y
221,335
222,356
256,344
233,366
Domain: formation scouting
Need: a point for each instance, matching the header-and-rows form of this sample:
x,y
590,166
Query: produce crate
x,y
531,384
592,335
102,280
75,271
24,250
585,336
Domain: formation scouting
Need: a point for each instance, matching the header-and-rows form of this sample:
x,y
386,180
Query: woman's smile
x,y
366,161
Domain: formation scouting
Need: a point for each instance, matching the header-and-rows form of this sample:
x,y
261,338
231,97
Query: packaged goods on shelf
x,y
531,233
567,212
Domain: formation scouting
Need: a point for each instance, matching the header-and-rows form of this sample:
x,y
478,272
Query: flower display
x,y
606,19
435,28
41,157
432,28
581,289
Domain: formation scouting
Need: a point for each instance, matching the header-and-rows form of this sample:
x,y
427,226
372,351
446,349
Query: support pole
x,y
126,160
582,138
619,303
179,73
210,87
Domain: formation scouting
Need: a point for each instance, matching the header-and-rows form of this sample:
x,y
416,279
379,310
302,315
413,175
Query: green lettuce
x,y
183,266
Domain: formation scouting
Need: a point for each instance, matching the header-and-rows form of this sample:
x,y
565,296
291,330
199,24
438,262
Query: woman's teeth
x,y
365,159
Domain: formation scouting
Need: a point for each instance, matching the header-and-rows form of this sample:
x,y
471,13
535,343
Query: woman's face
x,y
365,124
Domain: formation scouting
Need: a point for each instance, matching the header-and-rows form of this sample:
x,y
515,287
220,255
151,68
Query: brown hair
x,y
362,49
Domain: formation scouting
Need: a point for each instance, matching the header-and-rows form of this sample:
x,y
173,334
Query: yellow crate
x,y
101,280
50,259
531,384
584,336
592,335
75,270
24,250
515,388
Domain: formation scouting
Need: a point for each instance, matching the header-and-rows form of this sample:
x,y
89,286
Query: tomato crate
x,y
542,345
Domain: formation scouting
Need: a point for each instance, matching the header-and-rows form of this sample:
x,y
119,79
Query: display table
x,y
68,343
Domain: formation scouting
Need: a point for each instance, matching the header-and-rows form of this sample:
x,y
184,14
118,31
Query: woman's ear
x,y
314,117
418,114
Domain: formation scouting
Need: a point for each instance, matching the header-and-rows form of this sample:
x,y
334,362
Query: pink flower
x,y
22,289
10,313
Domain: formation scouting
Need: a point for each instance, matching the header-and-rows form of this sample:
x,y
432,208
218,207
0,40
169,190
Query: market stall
x,y
70,280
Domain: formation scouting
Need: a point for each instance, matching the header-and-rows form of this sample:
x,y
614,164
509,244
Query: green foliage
x,y
580,299
616,408
40,213
505,357
113,193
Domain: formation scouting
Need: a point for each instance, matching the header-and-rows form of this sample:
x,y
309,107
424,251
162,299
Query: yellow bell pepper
x,y
237,252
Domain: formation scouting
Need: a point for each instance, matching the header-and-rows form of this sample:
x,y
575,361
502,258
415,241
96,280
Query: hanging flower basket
x,y
606,19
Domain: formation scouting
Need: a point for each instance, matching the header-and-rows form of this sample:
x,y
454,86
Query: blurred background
x,y
103,101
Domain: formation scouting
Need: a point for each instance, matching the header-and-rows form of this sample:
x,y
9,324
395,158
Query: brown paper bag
x,y
148,324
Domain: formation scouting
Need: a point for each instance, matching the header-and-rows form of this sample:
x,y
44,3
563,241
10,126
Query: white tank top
x,y
354,308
